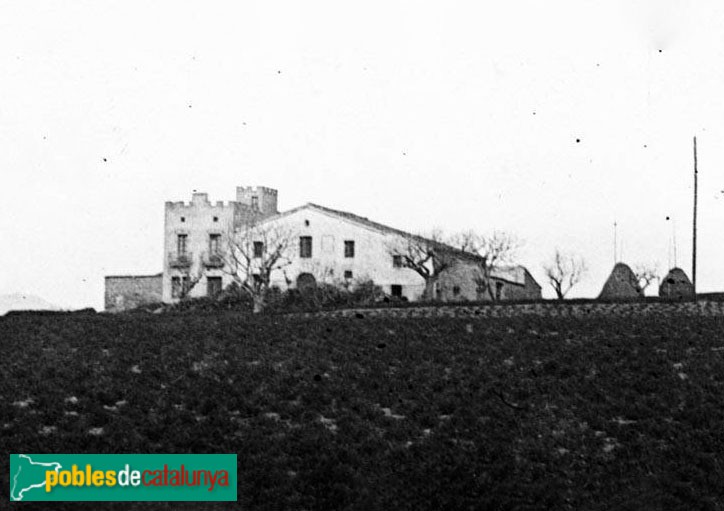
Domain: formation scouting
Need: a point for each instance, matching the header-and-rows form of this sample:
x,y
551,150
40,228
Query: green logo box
x,y
123,477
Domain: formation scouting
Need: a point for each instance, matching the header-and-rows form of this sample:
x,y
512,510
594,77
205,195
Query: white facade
x,y
328,262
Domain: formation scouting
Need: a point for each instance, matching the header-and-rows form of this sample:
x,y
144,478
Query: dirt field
x,y
384,413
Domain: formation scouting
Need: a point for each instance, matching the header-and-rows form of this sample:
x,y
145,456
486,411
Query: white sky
x,y
415,114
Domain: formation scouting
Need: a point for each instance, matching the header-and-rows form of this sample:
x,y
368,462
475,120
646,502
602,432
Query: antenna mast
x,y
693,248
673,238
615,243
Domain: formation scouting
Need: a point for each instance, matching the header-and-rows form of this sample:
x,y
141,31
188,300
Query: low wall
x,y
131,291
698,308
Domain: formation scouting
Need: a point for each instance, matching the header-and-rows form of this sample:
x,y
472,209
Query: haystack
x,y
676,285
622,283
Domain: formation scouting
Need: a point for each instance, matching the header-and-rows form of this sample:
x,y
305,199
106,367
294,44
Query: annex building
x,y
325,246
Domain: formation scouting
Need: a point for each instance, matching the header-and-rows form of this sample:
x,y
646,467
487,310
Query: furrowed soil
x,y
442,413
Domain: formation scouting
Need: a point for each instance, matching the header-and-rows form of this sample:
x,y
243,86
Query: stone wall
x,y
127,292
571,309
459,282
530,290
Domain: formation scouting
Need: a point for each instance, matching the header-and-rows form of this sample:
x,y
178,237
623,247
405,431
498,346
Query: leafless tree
x,y
323,273
564,271
646,274
255,249
467,241
428,256
493,250
188,278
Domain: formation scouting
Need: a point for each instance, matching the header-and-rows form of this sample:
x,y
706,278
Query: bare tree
x,y
429,257
564,272
323,273
493,250
646,274
466,241
255,250
188,280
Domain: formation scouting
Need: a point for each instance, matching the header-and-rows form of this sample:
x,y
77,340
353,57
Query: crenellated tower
x,y
258,198
196,232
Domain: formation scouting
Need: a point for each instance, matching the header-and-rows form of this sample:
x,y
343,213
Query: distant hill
x,y
20,301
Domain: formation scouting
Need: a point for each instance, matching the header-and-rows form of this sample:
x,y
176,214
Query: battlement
x,y
256,189
250,200
199,200
259,198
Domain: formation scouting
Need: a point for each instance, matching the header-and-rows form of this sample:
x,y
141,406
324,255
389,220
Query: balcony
x,y
213,260
176,260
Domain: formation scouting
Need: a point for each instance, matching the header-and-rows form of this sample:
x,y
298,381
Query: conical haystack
x,y
676,285
622,283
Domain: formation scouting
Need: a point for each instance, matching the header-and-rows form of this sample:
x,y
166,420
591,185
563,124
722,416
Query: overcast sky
x,y
547,119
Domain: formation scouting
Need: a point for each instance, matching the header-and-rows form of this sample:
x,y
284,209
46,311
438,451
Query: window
x,y
258,249
396,290
347,274
348,248
498,290
175,287
397,261
179,286
183,219
305,246
456,290
214,244
181,244
213,286
216,219
306,223
254,202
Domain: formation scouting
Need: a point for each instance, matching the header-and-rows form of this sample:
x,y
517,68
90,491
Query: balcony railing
x,y
183,260
213,260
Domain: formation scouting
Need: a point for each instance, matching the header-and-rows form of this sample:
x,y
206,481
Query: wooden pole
x,y
693,248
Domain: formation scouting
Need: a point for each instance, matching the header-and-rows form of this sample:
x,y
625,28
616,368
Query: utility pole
x,y
693,248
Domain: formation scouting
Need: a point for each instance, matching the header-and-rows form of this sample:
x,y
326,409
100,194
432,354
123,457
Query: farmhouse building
x,y
460,282
326,246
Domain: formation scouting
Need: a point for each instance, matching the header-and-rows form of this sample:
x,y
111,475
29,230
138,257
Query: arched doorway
x,y
306,282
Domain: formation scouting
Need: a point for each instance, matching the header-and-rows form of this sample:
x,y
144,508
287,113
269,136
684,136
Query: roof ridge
x,y
386,228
